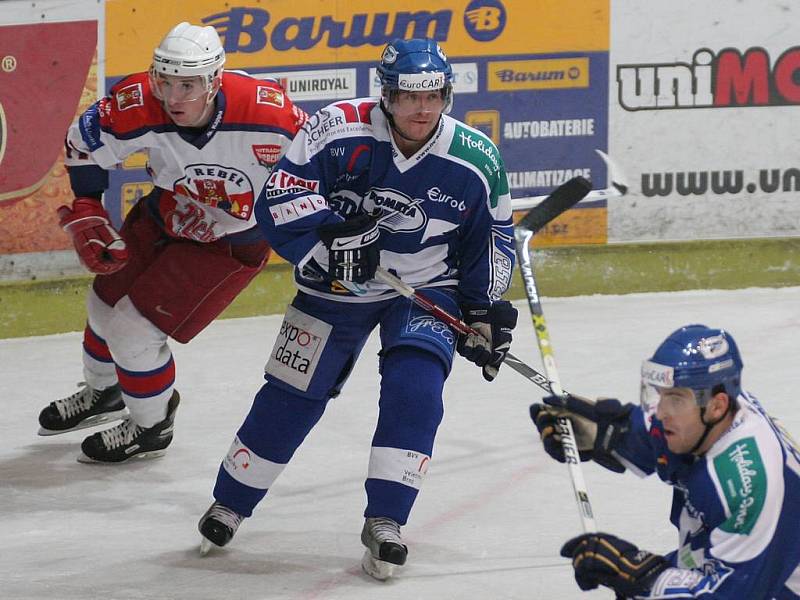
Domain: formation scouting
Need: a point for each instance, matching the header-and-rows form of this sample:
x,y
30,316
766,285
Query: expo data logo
x,y
484,20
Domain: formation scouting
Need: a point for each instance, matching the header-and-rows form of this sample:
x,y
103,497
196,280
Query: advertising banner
x,y
704,102
47,77
533,77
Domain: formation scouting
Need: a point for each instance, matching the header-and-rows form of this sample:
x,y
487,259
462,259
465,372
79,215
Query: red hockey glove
x,y
97,243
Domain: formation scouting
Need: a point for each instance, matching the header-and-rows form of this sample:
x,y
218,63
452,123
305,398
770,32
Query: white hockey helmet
x,y
190,51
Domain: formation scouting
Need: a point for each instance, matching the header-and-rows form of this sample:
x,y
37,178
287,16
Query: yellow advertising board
x,y
314,32
520,68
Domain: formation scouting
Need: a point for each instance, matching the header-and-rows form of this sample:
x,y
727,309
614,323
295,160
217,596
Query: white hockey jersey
x,y
211,175
737,508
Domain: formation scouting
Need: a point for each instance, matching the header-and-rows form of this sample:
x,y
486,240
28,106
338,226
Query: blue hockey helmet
x,y
415,65
701,358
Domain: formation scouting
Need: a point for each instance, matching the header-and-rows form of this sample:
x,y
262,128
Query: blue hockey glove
x,y
597,426
603,559
494,324
353,253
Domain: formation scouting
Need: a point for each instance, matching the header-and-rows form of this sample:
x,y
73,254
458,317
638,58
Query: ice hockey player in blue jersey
x,y
390,181
735,475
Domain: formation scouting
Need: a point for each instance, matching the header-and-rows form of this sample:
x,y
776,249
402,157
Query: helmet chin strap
x,y
708,426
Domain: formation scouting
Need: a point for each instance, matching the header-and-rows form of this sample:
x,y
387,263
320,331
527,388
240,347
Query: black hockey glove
x,y
597,426
603,559
353,253
494,324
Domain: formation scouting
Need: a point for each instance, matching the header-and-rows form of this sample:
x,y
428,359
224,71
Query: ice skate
x,y
218,526
127,440
85,408
385,549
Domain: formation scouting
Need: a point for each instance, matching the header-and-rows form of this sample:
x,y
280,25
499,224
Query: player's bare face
x,y
184,99
680,414
416,115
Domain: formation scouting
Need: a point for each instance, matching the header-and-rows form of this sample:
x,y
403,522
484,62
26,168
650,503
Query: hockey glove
x,y
597,426
98,244
353,253
603,559
494,324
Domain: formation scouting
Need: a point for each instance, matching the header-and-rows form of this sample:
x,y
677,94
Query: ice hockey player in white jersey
x,y
392,181
735,475
185,250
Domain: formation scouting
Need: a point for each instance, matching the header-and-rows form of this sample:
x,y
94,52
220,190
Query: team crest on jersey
x,y
267,154
130,96
219,187
269,95
397,212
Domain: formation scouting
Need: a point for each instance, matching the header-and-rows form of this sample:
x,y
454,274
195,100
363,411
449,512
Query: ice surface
x,y
487,525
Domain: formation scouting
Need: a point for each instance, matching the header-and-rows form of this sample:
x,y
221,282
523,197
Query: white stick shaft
x,y
533,201
571,456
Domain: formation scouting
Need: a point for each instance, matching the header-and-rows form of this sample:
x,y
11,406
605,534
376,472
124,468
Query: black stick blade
x,y
563,198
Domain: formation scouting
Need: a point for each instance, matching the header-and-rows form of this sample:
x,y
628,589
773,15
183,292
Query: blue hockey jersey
x,y
737,508
444,213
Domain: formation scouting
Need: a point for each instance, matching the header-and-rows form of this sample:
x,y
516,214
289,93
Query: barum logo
x,y
550,73
248,29
729,78
484,20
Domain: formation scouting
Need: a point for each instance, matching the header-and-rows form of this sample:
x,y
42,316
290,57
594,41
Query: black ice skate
x,y
128,440
85,408
385,549
217,526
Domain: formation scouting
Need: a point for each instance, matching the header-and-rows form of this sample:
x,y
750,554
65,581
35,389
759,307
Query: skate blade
x,y
377,569
88,422
206,545
87,460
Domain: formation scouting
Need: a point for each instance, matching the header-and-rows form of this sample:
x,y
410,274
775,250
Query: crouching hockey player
x,y
391,181
185,250
735,476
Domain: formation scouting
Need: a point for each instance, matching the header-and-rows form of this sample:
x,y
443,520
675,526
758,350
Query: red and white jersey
x,y
214,174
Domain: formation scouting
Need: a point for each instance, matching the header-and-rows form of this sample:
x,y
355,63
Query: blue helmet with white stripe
x,y
697,357
415,65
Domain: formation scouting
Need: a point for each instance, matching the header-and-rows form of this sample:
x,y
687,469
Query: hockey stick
x,y
617,188
422,301
560,200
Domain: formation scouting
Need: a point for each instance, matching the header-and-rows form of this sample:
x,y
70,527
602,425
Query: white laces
x,y
120,435
78,402
383,529
225,515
